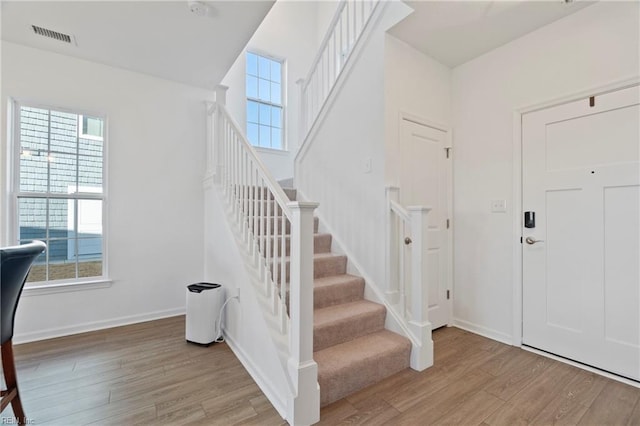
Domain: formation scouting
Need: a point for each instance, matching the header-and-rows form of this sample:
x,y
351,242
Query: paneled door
x,y
581,251
425,180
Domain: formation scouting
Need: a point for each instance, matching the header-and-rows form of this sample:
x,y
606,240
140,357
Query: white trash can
x,y
204,301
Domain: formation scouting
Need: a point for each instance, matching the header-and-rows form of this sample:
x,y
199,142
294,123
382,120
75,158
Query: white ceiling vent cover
x,y
45,32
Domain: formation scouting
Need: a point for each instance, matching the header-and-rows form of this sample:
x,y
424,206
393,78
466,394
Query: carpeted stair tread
x,y
340,323
353,365
336,289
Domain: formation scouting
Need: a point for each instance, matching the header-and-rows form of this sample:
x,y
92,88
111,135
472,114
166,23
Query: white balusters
x,y
344,31
259,210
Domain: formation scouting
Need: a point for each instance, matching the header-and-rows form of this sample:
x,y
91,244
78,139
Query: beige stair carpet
x,y
351,346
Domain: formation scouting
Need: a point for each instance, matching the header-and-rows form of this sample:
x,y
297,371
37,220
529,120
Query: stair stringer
x,y
233,268
421,354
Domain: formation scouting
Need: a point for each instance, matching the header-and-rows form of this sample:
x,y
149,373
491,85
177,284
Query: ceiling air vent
x,y
66,38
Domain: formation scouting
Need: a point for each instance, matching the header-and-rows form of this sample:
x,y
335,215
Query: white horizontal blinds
x,y
59,191
265,108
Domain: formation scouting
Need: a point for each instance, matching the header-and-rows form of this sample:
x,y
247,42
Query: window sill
x,y
271,150
42,289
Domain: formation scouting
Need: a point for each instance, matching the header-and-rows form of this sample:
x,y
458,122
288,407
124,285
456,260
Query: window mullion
x,y
61,196
264,102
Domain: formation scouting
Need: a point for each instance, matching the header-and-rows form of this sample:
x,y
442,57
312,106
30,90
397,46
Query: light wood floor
x,y
147,374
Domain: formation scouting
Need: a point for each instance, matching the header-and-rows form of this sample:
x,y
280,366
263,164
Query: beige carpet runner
x,y
351,346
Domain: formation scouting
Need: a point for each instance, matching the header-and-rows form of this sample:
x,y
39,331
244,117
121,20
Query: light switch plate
x,y
366,165
498,206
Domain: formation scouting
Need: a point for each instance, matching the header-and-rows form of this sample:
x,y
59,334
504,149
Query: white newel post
x,y
422,357
305,406
392,247
218,131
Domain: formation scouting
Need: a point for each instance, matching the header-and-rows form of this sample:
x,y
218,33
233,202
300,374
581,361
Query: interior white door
x,y
581,261
425,181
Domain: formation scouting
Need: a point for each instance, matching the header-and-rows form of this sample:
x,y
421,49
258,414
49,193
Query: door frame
x,y
405,115
518,160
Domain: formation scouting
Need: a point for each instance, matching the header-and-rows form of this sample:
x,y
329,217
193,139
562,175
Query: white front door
x,y
425,181
581,261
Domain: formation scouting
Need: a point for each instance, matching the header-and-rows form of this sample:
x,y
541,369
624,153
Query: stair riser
x,y
322,267
321,244
368,371
348,329
340,293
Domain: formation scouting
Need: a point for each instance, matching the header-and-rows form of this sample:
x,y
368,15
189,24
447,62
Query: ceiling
x,y
454,32
165,39
161,38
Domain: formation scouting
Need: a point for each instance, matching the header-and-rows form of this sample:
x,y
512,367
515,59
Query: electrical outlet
x,y
498,206
366,165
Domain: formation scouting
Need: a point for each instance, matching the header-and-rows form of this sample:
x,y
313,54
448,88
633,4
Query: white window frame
x,y
61,285
283,99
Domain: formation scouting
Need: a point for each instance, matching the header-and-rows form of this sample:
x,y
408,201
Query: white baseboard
x,y
483,331
51,333
265,386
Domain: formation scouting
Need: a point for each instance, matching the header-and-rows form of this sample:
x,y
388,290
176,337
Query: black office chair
x,y
15,265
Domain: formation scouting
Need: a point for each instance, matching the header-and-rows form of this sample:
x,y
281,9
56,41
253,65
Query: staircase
x,y
318,340
351,346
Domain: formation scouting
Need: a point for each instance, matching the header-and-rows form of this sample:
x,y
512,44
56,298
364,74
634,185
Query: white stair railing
x,y
407,274
345,29
277,235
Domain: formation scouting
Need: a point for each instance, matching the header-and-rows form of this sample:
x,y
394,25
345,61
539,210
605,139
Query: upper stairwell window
x,y
265,109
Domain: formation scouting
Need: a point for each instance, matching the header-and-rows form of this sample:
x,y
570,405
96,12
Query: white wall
x,y
288,32
415,84
593,47
156,136
331,172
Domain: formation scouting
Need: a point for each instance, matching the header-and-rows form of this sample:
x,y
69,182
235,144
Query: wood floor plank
x,y
570,405
136,416
474,411
507,415
335,412
182,416
542,390
514,379
455,394
634,419
371,412
613,406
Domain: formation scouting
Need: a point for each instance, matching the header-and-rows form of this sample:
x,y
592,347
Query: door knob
x,y
531,240
407,241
